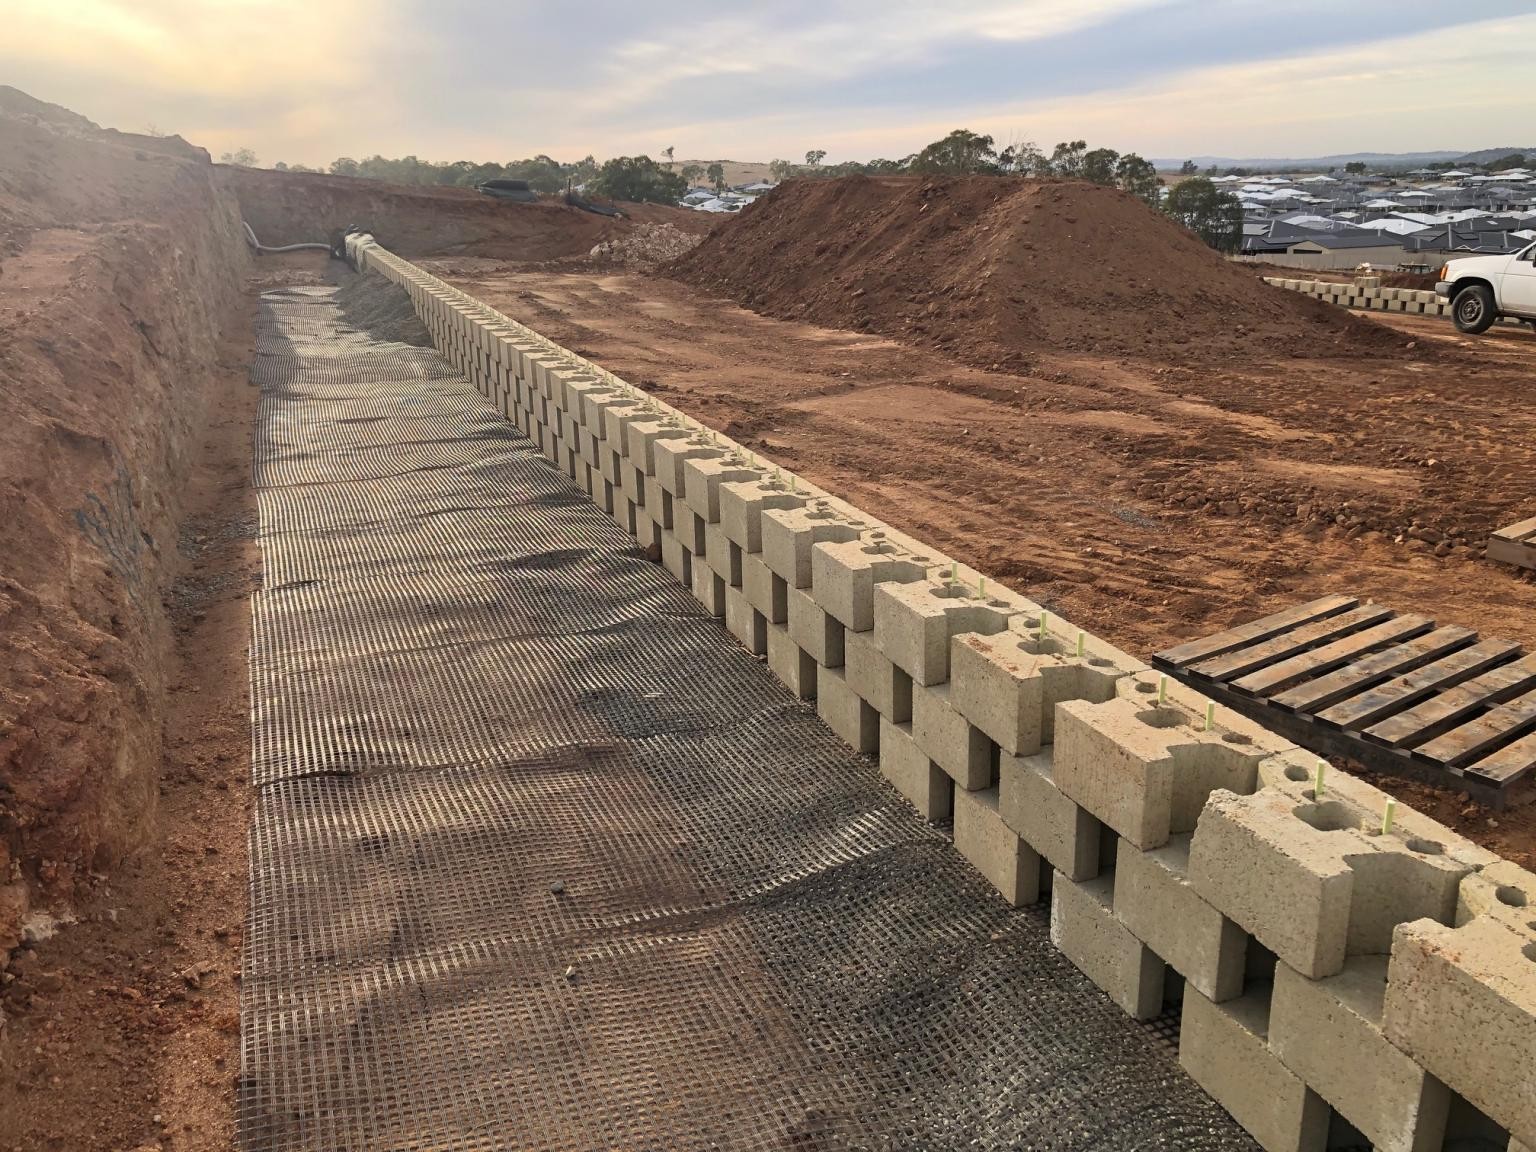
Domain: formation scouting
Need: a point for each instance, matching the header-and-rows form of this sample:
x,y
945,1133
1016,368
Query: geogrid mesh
x,y
541,859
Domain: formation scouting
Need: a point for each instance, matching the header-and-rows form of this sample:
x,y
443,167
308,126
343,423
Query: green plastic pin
x,y
1044,616
1210,715
1082,642
1318,785
1162,690
1387,815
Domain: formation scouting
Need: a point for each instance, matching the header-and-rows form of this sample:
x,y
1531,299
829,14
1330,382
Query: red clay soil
x,y
995,270
1145,502
293,207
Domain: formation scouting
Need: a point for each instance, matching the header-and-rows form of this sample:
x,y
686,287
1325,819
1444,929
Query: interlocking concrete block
x,y
708,587
942,731
791,663
789,535
1145,770
886,687
813,629
1156,901
916,777
844,575
703,475
742,504
648,537
746,623
676,558
1085,929
723,556
641,437
1328,1032
1054,826
689,528
995,850
1313,879
764,590
846,713
915,622
1225,1050
1462,1000
669,457
1008,684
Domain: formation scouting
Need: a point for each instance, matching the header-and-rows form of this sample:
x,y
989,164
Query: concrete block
x,y
1462,1000
742,504
669,457
746,623
813,629
789,535
941,731
659,501
1313,879
676,558
1146,770
708,587
915,622
1328,1032
640,438
844,575
1084,928
790,663
648,536
875,679
846,713
1008,684
916,777
1225,1050
703,475
1156,901
767,592
1060,830
995,850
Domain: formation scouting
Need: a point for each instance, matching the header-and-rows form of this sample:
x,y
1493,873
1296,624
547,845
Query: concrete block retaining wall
x,y
1330,974
1367,296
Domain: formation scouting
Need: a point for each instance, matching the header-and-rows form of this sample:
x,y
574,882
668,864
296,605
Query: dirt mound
x,y
648,246
992,269
119,274
291,207
382,309
17,105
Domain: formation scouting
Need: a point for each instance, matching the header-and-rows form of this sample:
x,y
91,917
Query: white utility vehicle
x,y
1481,289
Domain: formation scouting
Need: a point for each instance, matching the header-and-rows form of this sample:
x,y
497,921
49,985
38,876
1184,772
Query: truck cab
x,y
1482,289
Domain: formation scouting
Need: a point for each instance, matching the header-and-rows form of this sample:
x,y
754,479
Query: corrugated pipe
x,y
260,247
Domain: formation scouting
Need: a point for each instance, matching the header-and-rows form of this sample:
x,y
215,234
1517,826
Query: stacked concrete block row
x,y
1367,293
1334,975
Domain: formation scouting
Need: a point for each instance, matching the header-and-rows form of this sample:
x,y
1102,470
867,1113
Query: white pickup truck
x,y
1483,288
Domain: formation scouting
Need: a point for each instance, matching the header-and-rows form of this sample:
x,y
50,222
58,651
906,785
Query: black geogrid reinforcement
x,y
542,860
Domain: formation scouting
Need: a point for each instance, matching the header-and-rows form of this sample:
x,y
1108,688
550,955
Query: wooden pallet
x,y
1393,691
1515,544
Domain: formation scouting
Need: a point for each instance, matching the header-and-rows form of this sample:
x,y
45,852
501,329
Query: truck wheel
x,y
1472,310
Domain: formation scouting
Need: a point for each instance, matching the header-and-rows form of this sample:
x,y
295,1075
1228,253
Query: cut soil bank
x,y
995,270
119,280
294,207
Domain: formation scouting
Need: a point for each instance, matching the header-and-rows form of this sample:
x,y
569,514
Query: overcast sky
x,y
308,80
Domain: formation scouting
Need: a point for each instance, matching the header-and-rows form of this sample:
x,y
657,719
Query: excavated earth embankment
x,y
293,207
994,270
121,261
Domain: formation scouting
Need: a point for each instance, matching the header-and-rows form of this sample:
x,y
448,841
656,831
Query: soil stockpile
x,y
994,269
381,308
293,207
120,273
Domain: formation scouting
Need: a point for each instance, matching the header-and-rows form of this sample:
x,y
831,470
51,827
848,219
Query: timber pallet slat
x,y
1515,544
1351,678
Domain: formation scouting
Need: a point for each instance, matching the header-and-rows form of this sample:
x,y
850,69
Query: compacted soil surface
x,y
1148,501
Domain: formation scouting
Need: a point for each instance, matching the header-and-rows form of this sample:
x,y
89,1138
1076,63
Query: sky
x,y
305,81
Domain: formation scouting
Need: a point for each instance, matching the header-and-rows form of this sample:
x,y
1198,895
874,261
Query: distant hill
x,y
1373,159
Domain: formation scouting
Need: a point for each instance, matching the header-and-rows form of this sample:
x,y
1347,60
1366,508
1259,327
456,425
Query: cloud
x,y
307,80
